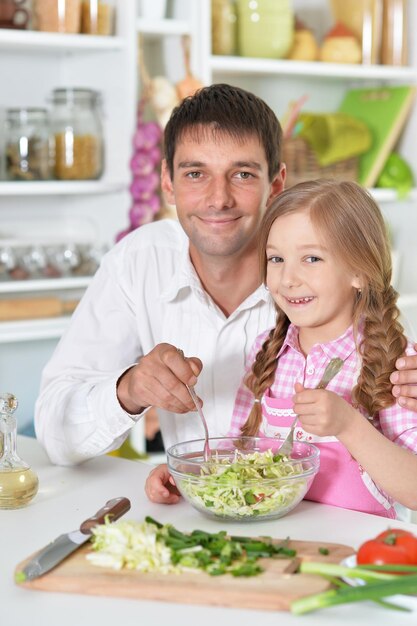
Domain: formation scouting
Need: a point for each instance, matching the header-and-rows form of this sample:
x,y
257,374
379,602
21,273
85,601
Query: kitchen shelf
x,y
45,284
33,330
34,41
391,195
155,29
250,66
58,187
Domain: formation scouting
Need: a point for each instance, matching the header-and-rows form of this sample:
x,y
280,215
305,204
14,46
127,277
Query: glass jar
x,y
27,144
265,28
57,16
223,27
78,145
97,17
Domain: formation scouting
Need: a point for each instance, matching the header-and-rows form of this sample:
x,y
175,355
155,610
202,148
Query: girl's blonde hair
x,y
354,229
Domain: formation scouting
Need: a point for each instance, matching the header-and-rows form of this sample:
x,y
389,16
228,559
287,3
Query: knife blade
x,y
64,545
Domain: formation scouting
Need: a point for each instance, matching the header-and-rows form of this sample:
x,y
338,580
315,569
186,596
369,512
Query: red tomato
x,y
403,538
392,547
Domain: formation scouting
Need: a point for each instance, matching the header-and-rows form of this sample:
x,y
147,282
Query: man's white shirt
x,y
145,292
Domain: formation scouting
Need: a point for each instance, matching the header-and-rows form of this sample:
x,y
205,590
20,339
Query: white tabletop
x,y
68,495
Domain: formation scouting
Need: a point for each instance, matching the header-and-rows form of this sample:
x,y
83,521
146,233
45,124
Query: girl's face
x,y
307,282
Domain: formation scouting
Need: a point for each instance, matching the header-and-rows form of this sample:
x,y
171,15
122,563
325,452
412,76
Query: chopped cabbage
x,y
153,547
130,545
250,485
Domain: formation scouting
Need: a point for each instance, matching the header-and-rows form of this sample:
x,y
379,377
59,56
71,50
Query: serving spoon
x,y
332,368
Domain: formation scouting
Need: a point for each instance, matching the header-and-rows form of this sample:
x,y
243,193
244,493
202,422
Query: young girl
x,y
326,261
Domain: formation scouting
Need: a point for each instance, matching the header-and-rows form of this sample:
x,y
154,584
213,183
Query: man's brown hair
x,y
225,109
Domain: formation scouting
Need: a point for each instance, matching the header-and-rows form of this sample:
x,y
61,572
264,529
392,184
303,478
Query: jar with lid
x,y
57,16
97,17
78,145
27,144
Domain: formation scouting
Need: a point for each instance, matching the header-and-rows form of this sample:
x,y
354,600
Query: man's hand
x,y
160,486
159,380
404,380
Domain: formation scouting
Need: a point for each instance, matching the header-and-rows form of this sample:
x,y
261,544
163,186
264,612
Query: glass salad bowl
x,y
245,479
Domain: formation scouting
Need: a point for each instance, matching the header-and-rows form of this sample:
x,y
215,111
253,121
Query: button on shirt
x,y
145,292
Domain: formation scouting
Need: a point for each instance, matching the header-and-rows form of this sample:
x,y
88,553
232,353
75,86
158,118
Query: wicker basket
x,y
302,164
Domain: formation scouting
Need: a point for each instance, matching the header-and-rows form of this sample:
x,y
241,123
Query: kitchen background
x,y
81,169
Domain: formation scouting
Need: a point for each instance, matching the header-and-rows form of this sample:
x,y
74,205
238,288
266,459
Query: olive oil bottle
x,y
18,482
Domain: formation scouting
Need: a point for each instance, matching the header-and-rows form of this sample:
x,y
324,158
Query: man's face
x,y
220,187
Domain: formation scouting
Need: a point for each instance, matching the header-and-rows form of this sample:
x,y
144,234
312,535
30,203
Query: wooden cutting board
x,y
274,589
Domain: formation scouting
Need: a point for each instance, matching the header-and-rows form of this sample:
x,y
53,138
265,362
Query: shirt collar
x,y
185,277
342,347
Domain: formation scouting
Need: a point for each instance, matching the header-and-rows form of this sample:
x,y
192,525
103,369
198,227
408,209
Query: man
x,y
168,287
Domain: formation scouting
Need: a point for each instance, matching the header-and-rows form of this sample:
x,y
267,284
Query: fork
x,y
333,367
191,391
206,451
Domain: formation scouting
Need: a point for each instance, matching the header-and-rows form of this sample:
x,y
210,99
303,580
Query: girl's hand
x,y
321,412
160,486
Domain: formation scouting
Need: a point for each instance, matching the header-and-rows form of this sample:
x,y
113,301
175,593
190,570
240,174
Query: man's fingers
x,y
407,370
405,391
167,392
408,403
159,379
174,359
196,365
173,390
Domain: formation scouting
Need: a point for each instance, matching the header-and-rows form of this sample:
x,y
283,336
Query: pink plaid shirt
x,y
396,423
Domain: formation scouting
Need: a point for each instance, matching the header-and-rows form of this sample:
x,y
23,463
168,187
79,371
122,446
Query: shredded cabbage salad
x,y
250,485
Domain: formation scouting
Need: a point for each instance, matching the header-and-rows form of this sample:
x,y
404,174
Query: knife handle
x,y
113,510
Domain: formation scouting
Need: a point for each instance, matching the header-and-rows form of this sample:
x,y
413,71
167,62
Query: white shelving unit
x,y
156,29
24,41
60,188
32,330
32,65
50,284
240,66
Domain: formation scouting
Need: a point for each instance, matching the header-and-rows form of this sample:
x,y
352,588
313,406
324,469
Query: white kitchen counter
x,y
68,495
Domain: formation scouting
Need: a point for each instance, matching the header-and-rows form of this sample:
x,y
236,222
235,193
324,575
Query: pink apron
x,y
340,480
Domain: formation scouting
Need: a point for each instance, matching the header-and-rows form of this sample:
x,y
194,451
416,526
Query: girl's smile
x,y
299,301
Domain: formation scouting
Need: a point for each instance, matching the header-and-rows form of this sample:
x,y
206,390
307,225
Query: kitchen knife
x,y
64,545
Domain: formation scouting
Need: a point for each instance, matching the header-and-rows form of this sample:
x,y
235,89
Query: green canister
x,y
265,28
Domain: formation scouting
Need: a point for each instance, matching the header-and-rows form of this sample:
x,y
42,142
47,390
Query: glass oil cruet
x,y
18,482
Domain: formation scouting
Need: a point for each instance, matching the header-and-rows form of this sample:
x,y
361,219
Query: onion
x,y
142,187
147,135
